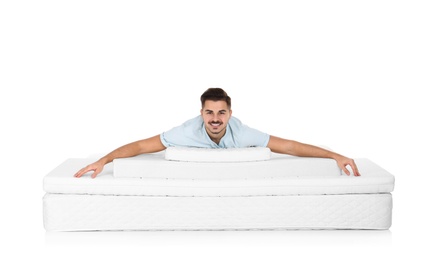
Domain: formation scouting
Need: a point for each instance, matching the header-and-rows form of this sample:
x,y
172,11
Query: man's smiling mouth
x,y
215,124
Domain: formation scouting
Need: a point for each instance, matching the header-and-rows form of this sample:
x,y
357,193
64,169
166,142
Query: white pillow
x,y
192,154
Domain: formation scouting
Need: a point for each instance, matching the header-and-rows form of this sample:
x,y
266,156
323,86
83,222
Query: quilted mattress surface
x,y
281,175
70,212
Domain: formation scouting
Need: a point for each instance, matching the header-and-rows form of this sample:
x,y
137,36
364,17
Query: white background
x,y
84,77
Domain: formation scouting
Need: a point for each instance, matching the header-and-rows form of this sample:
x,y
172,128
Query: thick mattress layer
x,y
155,166
194,154
63,212
179,181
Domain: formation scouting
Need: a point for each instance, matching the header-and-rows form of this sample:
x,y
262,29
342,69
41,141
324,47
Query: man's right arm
x,y
150,145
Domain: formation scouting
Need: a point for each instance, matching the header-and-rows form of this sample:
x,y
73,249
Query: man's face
x,y
216,115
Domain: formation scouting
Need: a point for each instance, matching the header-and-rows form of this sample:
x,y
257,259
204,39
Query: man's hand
x,y
343,161
96,167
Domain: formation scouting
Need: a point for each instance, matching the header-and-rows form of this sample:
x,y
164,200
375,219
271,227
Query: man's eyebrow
x,y
209,110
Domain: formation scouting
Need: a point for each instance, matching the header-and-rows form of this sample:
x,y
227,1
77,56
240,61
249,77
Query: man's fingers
x,y
83,171
96,172
345,170
347,165
79,173
356,171
354,168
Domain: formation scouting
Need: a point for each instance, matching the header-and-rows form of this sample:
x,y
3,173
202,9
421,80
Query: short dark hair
x,y
215,94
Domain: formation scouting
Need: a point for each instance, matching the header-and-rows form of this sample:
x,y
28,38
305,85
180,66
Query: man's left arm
x,y
280,145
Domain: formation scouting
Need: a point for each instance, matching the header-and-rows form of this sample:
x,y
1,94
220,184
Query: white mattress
x,y
179,180
194,154
155,166
287,193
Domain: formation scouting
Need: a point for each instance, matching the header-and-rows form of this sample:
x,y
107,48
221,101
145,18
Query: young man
x,y
216,128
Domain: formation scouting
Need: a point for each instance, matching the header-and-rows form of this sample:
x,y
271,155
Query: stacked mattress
x,y
217,189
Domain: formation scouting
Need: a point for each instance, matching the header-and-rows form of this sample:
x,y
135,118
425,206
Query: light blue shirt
x,y
193,134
